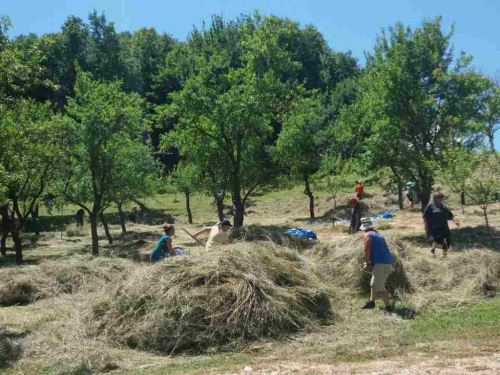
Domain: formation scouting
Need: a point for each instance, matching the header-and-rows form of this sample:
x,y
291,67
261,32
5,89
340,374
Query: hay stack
x,y
197,304
275,235
28,284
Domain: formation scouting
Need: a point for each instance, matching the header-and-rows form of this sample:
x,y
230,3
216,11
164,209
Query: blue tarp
x,y
302,233
387,215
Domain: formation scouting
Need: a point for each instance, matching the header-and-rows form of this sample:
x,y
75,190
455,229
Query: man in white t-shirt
x,y
219,234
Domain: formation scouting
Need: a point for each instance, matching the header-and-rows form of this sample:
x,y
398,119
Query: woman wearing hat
x,y
436,216
379,258
219,234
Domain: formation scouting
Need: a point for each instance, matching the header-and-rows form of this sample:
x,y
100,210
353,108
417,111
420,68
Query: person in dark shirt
x,y
356,212
436,216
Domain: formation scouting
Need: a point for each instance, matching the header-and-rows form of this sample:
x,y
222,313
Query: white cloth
x,y
217,237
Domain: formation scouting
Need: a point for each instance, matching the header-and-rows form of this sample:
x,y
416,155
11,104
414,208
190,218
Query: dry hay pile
x,y
219,300
276,235
461,278
342,263
24,285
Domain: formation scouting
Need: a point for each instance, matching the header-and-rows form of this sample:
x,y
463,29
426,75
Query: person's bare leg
x,y
373,295
385,298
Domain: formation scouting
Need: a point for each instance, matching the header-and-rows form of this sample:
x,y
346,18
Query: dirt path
x,y
416,365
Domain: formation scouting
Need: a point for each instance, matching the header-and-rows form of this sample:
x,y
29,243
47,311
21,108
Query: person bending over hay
x,y
379,258
219,234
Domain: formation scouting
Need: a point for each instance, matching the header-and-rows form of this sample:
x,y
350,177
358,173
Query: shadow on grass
x,y
466,238
405,312
58,223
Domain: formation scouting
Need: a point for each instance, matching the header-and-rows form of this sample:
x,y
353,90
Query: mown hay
x,y
342,263
28,284
462,278
10,350
220,300
276,235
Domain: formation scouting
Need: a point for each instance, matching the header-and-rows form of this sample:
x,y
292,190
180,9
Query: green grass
x,y
199,364
480,321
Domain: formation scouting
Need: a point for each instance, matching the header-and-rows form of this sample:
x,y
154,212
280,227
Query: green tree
x,y
227,105
135,176
487,117
413,104
187,178
28,162
333,179
299,147
475,174
101,121
103,55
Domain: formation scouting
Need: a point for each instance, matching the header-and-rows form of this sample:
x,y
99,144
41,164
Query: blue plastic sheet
x,y
387,215
302,233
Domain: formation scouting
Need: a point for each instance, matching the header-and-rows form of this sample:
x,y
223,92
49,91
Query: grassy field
x,y
447,319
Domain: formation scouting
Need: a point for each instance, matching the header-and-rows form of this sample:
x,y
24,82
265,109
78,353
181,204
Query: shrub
x,y
198,304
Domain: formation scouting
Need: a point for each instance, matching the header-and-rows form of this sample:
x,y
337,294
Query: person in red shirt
x,y
359,189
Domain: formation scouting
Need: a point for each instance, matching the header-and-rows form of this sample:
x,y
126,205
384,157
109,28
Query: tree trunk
x,y
491,139
219,199
4,212
95,237
485,210
309,193
34,217
462,201
106,228
187,194
18,246
334,210
122,219
400,197
239,209
3,247
425,195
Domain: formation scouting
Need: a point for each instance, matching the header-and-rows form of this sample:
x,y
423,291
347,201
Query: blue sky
x,y
346,25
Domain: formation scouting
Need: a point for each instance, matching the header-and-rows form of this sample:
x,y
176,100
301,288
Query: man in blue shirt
x,y
379,258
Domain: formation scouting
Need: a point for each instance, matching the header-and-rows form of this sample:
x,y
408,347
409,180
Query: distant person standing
x,y
410,193
79,217
356,213
218,234
436,216
377,257
359,189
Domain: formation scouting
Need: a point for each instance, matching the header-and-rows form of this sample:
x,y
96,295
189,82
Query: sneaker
x,y
433,251
368,305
